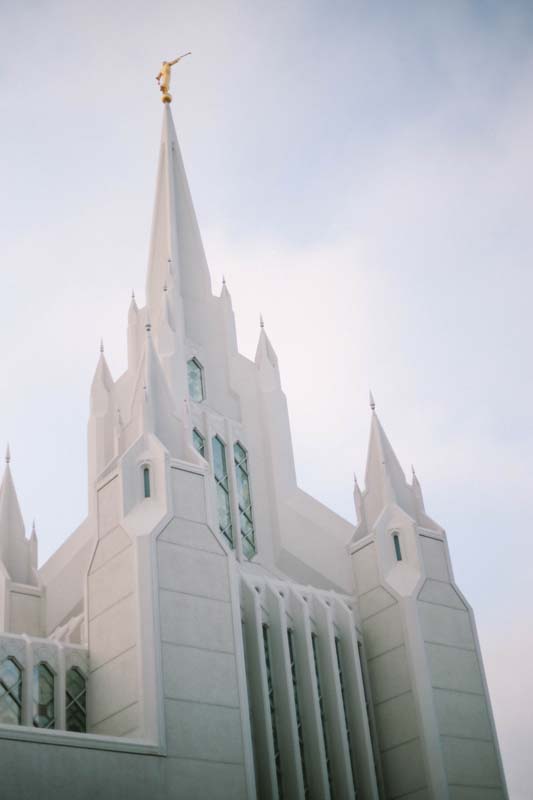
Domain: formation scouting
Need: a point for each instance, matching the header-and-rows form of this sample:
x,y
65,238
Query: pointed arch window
x,y
76,701
43,696
195,376
198,441
245,502
397,546
147,488
10,692
222,488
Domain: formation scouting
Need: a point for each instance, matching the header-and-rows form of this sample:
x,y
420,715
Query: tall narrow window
x,y
321,705
245,502
43,697
397,548
195,375
146,481
10,692
222,488
299,726
344,706
198,442
273,720
76,701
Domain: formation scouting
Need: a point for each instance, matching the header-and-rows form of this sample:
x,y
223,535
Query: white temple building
x,y
211,631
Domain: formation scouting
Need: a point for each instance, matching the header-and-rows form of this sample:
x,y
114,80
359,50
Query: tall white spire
x,y
17,553
175,231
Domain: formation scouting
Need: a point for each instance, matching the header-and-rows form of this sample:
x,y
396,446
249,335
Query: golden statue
x,y
163,78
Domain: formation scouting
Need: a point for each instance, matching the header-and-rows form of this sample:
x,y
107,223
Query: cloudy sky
x,y
362,173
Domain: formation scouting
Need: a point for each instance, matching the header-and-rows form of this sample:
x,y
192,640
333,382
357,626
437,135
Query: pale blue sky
x,y
362,174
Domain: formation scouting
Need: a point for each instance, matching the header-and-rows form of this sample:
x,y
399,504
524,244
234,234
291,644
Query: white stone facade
x,y
231,637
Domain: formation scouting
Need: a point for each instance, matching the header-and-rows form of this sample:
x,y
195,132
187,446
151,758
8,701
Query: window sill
x,y
89,741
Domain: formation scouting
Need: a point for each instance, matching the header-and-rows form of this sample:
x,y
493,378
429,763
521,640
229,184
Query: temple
x,y
210,631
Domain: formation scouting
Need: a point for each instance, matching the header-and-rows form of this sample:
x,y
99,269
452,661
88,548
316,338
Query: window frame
x,y
245,512
51,725
223,483
71,700
199,434
397,546
194,360
9,691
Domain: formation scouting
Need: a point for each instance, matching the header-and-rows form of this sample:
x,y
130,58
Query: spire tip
x,y
261,321
8,454
372,402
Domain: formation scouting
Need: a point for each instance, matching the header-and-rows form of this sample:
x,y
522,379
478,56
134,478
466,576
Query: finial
x,y
413,471
223,280
261,321
147,324
372,402
133,294
33,531
165,287
355,479
101,345
8,454
163,78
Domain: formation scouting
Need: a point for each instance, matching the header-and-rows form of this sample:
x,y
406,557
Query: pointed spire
x,y
175,228
417,491
384,478
372,401
8,454
261,321
15,549
101,345
265,353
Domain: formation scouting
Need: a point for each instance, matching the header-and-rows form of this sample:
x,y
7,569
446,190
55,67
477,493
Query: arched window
x,y
10,692
222,486
43,697
195,376
198,441
76,701
397,548
245,502
146,482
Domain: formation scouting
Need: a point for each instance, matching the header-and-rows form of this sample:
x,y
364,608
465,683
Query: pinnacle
x,y
372,402
101,345
261,321
8,454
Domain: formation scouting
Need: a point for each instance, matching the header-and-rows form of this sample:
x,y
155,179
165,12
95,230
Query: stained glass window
x,y
198,441
196,380
43,697
397,548
76,701
245,502
146,481
222,489
10,692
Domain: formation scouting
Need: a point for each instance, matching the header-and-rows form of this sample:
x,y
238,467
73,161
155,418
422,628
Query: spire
x,y
417,491
15,549
265,353
101,386
175,231
384,478
372,401
8,454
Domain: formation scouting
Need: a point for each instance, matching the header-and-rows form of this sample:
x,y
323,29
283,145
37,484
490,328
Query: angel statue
x,y
163,78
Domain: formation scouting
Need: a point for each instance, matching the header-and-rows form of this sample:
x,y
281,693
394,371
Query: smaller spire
x,y
33,531
261,321
372,402
8,454
133,294
223,280
101,345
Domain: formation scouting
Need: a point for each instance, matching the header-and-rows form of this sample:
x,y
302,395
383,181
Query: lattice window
x,y
245,502
198,441
76,701
195,376
344,705
10,692
43,696
222,489
321,704
273,720
299,726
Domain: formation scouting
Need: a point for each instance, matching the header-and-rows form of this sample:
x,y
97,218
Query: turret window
x,y
10,692
76,701
222,489
245,502
43,697
198,442
195,375
397,546
146,482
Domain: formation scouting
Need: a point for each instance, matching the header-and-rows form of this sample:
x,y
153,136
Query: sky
x,y
362,174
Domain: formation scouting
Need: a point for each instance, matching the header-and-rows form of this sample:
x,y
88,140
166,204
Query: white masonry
x,y
210,630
